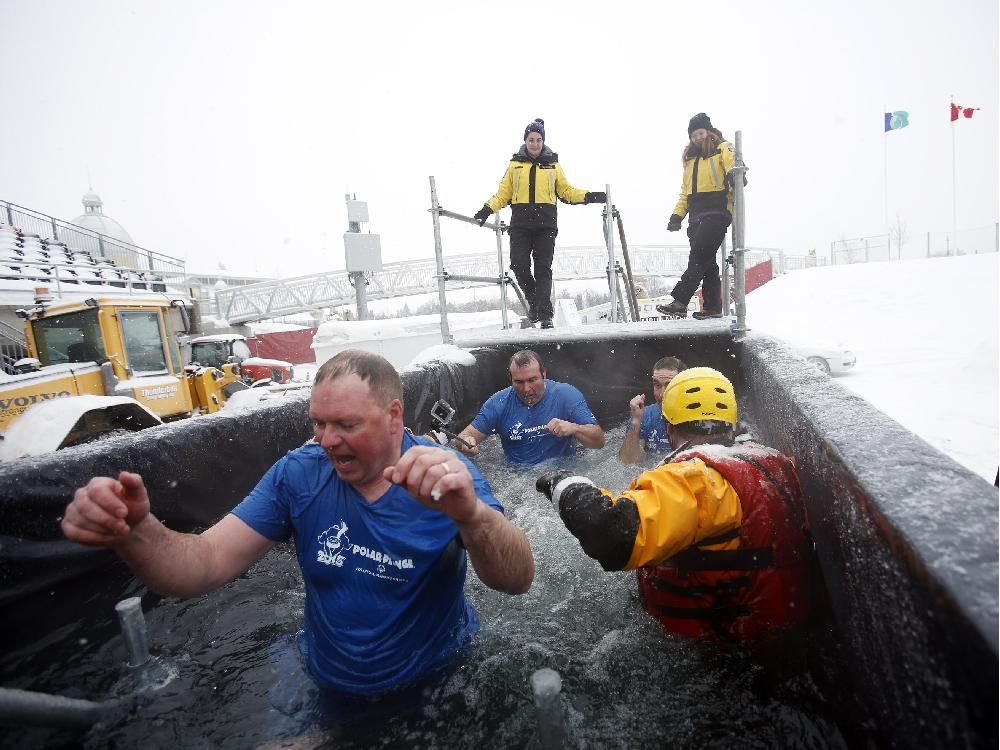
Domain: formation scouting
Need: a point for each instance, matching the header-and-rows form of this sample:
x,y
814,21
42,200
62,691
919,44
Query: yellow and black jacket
x,y
531,187
705,189
718,534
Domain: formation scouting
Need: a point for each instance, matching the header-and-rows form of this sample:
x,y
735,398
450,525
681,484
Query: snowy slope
x,y
925,334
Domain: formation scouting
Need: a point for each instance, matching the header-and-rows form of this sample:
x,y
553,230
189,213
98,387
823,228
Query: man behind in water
x,y
718,533
536,418
647,431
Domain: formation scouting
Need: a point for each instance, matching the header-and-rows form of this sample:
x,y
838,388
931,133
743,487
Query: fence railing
x,y
123,254
901,245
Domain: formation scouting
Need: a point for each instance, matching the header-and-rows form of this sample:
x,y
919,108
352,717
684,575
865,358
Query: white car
x,y
833,359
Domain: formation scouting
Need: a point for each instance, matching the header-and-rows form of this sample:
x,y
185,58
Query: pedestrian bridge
x,y
281,297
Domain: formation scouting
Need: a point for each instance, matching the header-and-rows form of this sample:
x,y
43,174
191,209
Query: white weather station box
x,y
363,252
357,212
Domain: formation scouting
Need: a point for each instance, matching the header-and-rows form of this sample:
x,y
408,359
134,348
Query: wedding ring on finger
x,y
436,493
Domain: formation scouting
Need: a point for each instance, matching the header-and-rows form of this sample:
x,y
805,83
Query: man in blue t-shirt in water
x,y
535,418
647,431
382,522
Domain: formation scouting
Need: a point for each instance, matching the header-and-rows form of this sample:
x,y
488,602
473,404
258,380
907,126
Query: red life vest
x,y
749,592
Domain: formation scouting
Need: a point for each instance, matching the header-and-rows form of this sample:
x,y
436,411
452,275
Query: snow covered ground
x,y
925,333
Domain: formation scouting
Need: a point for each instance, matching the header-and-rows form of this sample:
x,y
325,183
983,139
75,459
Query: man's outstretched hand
x,y
103,512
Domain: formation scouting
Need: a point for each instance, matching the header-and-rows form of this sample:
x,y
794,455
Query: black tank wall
x,y
196,470
907,541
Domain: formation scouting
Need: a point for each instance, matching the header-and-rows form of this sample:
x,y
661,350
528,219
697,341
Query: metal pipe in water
x,y
134,630
546,685
31,709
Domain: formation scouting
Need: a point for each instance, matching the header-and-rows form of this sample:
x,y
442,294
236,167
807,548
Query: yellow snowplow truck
x,y
118,352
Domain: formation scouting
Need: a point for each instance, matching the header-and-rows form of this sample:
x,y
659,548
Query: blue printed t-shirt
x,y
653,431
384,581
522,428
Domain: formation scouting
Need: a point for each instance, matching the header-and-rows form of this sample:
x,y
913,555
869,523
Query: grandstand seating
x,y
28,257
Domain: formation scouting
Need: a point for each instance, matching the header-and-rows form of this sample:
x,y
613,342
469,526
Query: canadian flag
x,y
965,112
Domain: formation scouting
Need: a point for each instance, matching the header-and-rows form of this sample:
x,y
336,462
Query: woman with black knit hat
x,y
532,183
707,199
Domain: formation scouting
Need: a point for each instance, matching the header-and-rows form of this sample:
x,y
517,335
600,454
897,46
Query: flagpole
x,y
885,188
954,194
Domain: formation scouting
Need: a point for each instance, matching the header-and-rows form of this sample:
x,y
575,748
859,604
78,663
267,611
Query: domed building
x,y
93,218
123,252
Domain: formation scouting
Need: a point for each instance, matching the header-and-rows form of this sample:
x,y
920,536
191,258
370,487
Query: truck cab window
x,y
144,344
74,337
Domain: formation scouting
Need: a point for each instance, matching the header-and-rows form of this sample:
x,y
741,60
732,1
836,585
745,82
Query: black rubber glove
x,y
483,214
596,197
675,223
547,481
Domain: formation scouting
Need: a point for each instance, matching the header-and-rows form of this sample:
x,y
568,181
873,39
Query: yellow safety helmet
x,y
698,394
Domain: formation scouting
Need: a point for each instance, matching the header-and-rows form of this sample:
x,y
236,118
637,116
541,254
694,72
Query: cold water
x,y
625,684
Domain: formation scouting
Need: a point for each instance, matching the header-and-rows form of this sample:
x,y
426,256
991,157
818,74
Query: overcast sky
x,y
230,131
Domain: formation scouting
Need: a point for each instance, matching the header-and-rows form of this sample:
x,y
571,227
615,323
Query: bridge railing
x,y
270,299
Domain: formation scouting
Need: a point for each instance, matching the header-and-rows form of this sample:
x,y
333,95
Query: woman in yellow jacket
x,y
706,198
532,183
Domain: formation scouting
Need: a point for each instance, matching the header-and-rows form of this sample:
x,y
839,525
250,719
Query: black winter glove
x,y
730,180
596,197
547,481
675,223
483,214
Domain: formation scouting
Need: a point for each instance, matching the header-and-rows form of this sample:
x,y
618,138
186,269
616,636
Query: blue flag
x,y
896,120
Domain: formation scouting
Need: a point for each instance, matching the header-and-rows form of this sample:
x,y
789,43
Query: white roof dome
x,y
94,219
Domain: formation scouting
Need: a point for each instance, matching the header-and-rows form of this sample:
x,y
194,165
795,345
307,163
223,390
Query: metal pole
x,y
446,336
546,687
724,270
928,244
739,238
610,241
503,287
630,280
623,306
134,630
357,277
954,186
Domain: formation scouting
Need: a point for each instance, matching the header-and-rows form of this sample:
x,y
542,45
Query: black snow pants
x,y
540,243
706,235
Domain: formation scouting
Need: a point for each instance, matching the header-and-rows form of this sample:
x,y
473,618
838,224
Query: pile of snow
x,y
270,327
925,335
400,339
247,398
442,353
338,332
45,425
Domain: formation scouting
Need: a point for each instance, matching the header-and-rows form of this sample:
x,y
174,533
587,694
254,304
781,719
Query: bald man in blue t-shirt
x,y
535,418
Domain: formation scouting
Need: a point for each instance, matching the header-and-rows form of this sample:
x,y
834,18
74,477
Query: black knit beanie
x,y
535,126
700,120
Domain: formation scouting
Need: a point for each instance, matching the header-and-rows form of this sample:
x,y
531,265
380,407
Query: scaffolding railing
x,y
502,279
